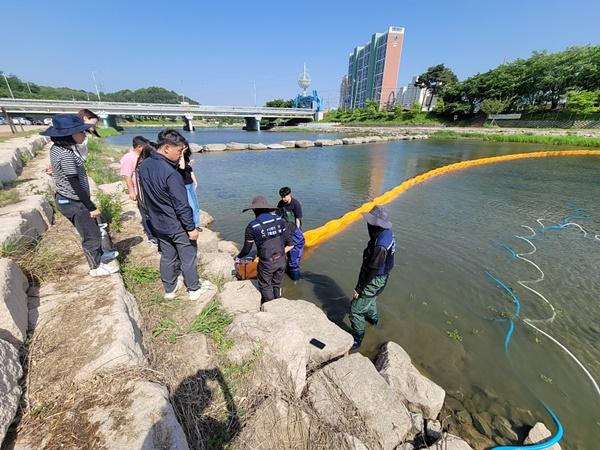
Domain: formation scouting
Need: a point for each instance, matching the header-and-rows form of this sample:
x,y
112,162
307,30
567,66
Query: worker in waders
x,y
268,232
378,261
291,210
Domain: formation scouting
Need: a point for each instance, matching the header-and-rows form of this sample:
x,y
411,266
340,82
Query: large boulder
x,y
417,392
196,148
25,220
205,219
304,144
258,146
13,303
236,146
276,348
240,297
217,265
228,247
318,330
208,241
215,147
350,395
276,146
450,442
10,390
539,433
288,144
147,421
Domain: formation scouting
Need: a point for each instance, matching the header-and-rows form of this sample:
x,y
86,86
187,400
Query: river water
x,y
439,303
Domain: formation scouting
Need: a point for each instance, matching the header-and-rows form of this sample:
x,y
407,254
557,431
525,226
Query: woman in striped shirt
x,y
73,190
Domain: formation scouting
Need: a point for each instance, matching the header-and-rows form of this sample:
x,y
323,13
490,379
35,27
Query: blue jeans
x,y
193,202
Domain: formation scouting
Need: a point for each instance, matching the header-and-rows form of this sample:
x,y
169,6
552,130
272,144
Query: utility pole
x,y
8,84
96,86
27,82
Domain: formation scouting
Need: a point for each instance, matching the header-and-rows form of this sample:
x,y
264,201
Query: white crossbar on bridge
x,y
33,106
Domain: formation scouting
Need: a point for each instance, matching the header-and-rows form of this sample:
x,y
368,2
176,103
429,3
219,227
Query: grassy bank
x,y
99,160
19,134
579,141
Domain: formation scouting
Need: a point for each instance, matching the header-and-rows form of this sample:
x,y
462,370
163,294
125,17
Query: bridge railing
x,y
36,106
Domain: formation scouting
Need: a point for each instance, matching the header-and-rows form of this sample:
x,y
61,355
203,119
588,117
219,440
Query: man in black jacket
x,y
165,198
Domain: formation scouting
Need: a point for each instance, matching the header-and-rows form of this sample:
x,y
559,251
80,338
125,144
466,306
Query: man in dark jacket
x,y
291,210
165,198
378,261
268,232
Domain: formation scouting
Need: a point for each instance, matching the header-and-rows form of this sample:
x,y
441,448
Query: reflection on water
x,y
438,302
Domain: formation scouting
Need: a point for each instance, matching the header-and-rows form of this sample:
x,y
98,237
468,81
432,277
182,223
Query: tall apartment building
x,y
407,95
373,69
344,94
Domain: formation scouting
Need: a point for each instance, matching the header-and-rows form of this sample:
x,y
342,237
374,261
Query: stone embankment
x,y
95,374
303,143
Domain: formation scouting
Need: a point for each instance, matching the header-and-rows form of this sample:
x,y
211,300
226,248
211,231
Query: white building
x,y
407,95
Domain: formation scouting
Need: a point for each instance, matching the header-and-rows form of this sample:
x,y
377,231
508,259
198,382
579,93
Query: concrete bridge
x,y
109,111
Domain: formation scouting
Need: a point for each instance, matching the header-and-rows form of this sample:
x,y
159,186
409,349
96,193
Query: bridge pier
x,y
188,125
252,123
109,120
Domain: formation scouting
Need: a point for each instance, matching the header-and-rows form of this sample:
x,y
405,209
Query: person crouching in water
x,y
291,210
268,232
378,261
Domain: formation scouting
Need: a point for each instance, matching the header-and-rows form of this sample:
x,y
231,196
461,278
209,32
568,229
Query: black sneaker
x,y
357,342
373,322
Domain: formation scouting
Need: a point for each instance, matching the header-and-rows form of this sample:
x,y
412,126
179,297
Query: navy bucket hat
x,y
378,216
66,125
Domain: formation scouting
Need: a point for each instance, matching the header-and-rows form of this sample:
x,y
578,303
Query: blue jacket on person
x,y
164,195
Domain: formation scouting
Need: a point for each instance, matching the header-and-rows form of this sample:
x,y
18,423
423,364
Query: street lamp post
x,y
8,84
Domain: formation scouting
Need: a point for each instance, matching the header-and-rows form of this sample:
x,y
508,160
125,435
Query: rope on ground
x,y
321,234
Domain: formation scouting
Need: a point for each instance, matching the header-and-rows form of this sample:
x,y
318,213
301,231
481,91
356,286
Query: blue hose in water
x,y
507,338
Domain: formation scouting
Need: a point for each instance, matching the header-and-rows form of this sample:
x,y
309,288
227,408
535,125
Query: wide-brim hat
x,y
260,202
378,216
66,125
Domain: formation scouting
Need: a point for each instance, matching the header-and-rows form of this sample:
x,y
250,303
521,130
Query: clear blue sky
x,y
214,51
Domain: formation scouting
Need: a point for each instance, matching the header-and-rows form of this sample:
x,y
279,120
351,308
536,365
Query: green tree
x,y
492,106
584,102
435,79
279,103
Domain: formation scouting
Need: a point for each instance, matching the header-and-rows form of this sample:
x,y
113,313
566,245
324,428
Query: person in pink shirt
x,y
128,165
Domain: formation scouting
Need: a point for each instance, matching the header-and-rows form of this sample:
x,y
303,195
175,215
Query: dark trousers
x,y
178,255
79,215
270,278
148,230
295,254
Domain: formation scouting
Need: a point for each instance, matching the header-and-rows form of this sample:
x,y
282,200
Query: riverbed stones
x,y
10,390
276,146
196,148
288,144
304,143
317,328
540,433
350,395
214,147
504,428
418,392
324,143
240,297
13,303
450,442
276,349
236,146
259,146
147,420
483,423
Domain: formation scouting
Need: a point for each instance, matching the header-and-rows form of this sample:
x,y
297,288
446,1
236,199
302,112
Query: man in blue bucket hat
x,y
378,262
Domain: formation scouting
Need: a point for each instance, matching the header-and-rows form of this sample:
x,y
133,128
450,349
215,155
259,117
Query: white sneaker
x,y
103,270
109,256
205,286
171,295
